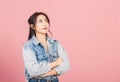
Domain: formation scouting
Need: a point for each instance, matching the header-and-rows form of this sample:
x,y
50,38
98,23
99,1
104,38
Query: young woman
x,y
44,57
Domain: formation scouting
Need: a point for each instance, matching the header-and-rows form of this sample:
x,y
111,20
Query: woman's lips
x,y
45,28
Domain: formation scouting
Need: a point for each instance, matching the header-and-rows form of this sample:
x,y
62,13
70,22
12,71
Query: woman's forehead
x,y
41,17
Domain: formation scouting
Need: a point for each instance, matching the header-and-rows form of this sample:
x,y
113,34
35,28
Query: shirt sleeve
x,y
33,67
66,65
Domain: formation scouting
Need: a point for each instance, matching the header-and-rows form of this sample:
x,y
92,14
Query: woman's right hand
x,y
58,62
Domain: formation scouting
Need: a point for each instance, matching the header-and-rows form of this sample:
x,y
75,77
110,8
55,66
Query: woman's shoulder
x,y
53,40
28,44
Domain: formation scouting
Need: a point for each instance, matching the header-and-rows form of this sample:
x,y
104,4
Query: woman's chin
x,y
45,32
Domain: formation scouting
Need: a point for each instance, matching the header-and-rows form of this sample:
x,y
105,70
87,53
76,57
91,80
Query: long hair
x,y
32,20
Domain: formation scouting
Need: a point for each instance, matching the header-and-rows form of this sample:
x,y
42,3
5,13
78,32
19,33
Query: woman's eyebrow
x,y
42,19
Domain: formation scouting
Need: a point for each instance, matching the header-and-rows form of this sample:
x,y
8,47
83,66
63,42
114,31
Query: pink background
x,y
89,30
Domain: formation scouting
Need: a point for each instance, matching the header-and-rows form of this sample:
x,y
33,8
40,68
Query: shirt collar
x,y
36,42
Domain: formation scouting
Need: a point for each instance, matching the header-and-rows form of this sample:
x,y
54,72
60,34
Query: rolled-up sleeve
x,y
34,67
66,64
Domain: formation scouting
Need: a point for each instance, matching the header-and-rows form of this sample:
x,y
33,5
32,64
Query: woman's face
x,y
42,24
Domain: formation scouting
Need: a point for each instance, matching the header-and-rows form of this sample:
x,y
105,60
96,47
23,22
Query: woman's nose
x,y
44,22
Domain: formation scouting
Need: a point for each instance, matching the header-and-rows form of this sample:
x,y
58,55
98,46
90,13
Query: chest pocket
x,y
40,55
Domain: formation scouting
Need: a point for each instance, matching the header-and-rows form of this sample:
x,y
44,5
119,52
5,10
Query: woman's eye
x,y
40,20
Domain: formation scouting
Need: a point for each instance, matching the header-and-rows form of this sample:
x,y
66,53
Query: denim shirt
x,y
37,60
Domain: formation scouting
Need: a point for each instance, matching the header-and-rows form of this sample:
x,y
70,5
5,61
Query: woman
x,y
44,57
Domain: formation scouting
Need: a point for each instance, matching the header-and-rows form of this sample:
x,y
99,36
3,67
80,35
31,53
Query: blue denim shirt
x,y
37,59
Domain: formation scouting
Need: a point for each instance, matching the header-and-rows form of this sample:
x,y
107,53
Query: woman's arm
x,y
33,67
65,66
62,62
52,72
58,62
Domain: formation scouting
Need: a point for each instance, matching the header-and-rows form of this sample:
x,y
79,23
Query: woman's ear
x,y
32,26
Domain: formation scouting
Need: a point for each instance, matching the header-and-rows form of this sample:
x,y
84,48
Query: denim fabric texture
x,y
37,59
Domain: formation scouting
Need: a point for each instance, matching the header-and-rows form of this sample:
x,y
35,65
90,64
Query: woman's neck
x,y
41,37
